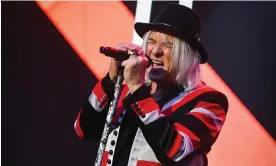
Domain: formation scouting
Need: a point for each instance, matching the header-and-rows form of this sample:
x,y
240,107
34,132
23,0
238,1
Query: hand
x,y
114,69
134,67
116,64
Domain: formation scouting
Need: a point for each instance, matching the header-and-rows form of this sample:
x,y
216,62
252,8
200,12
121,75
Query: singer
x,y
166,114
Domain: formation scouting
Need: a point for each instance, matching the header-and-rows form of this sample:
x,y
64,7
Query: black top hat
x,y
177,20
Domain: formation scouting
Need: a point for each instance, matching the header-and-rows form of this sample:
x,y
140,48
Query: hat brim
x,y
142,28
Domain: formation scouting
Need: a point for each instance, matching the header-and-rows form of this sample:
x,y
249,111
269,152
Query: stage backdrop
x,y
51,61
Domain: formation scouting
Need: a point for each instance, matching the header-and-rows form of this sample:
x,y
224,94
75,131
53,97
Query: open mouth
x,y
158,63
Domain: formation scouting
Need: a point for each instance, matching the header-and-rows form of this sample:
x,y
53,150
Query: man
x,y
165,115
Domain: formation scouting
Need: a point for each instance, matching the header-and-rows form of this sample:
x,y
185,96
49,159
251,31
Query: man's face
x,y
159,50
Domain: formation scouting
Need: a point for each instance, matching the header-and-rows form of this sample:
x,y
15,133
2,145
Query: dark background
x,y
44,82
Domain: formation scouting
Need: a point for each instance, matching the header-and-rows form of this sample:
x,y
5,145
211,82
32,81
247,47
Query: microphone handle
x,y
118,54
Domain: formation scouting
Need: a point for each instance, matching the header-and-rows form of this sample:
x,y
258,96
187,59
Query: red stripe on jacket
x,y
77,126
148,163
148,105
186,99
207,119
175,147
98,90
194,139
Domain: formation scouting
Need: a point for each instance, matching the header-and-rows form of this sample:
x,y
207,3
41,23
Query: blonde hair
x,y
185,64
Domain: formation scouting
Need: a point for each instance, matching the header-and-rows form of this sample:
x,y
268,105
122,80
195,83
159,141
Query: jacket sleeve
x,y
174,137
91,118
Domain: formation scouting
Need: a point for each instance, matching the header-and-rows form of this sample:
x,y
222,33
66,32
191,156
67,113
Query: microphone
x,y
119,54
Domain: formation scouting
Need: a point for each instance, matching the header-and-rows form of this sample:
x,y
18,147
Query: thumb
x,y
125,62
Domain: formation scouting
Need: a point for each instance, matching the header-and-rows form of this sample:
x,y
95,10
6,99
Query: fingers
x,y
126,46
124,63
132,47
129,61
135,61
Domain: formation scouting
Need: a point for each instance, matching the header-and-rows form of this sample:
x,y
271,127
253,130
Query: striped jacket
x,y
179,131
